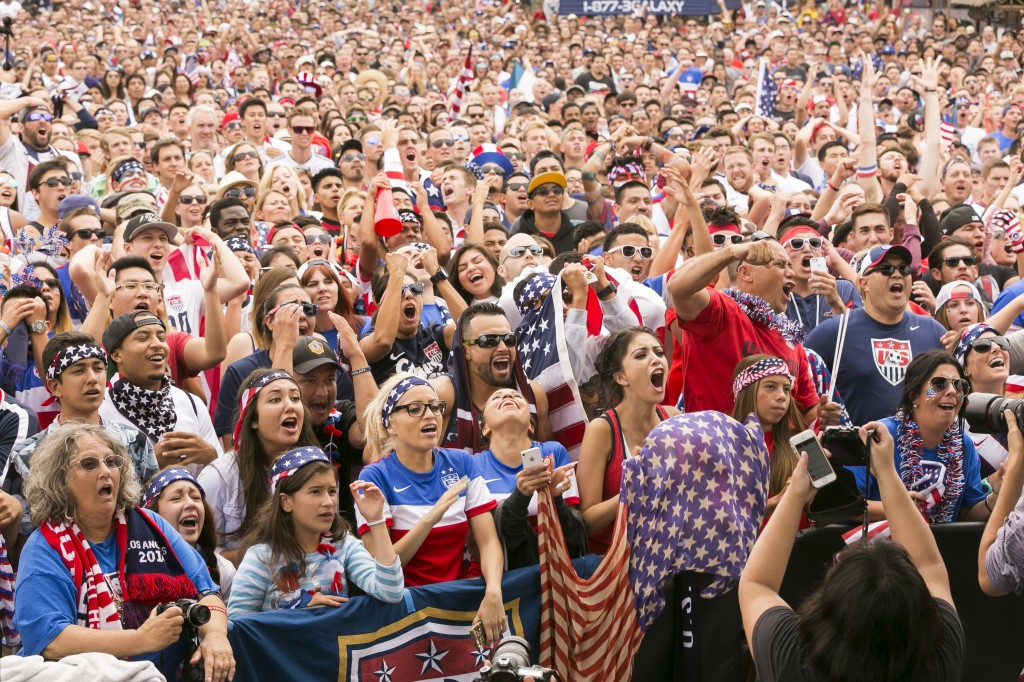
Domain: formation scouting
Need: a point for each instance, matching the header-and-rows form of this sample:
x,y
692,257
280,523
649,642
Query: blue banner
x,y
426,637
643,7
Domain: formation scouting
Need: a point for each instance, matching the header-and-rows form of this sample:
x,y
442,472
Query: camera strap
x,y
844,322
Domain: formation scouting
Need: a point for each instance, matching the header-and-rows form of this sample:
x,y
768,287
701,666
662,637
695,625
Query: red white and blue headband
x,y
249,394
167,477
293,460
767,367
396,394
72,354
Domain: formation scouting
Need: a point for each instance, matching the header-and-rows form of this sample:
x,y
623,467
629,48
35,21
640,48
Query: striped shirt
x,y
259,586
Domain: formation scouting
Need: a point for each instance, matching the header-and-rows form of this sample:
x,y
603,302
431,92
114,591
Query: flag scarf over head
x,y
462,84
767,91
545,359
694,500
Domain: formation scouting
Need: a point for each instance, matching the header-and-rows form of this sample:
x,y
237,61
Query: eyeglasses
x,y
544,191
987,344
248,192
358,119
722,238
437,144
303,130
953,261
797,243
646,252
38,116
517,251
308,309
50,283
940,384
492,340
242,156
133,286
89,234
317,239
186,199
517,186
276,114
233,125
353,156
10,182
53,183
416,289
492,169
417,408
93,463
888,268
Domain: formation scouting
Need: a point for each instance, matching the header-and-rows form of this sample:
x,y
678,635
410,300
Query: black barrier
x,y
992,625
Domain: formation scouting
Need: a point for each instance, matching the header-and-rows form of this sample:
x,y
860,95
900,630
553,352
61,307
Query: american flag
x,y
545,358
767,91
946,130
462,84
293,460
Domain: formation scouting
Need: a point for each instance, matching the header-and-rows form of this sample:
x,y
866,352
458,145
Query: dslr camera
x,y
984,412
845,446
510,662
196,615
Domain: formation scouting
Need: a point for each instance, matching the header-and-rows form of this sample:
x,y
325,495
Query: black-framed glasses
x,y
887,269
53,183
188,199
940,384
628,250
492,340
544,191
38,116
93,463
797,243
986,345
953,261
317,239
417,408
723,238
518,251
242,156
437,144
89,234
233,125
299,130
140,145
238,193
416,289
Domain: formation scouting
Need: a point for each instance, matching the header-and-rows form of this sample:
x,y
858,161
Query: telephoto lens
x,y
984,412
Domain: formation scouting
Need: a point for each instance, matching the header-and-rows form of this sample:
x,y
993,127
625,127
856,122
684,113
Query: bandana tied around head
x,y
249,394
167,477
969,335
72,354
396,394
759,370
126,168
293,460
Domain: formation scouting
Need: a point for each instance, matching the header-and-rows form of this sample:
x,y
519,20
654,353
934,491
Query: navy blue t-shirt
x,y
814,309
875,359
425,355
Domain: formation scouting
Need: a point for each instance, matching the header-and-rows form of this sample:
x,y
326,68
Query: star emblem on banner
x,y
384,674
431,658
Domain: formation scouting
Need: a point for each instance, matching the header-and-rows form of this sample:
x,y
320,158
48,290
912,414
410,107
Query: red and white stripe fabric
x,y
588,628
462,85
879,530
946,131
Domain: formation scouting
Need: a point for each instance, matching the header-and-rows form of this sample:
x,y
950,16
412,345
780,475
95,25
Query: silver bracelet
x,y
377,522
3,325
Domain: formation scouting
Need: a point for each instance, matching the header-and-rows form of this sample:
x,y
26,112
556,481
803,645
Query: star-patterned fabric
x,y
396,394
72,354
250,393
534,288
695,497
152,412
968,336
293,460
167,477
759,370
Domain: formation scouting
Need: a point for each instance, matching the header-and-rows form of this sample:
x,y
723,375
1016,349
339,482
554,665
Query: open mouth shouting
x,y
429,429
409,313
501,363
290,426
897,289
658,379
997,361
949,406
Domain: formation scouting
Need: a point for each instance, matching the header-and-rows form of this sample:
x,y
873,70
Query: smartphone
x,y
477,633
818,466
532,458
818,264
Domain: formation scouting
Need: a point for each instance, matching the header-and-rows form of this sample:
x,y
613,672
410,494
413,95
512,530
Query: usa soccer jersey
x,y
501,478
410,495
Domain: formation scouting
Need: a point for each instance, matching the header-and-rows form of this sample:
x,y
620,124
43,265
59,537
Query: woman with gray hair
x,y
91,576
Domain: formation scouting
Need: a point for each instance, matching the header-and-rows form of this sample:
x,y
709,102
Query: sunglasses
x,y
646,252
460,138
139,145
953,261
89,234
186,199
233,125
353,156
317,239
76,176
40,116
417,408
308,309
358,119
10,182
437,144
797,243
987,344
723,238
93,463
492,169
53,183
303,130
518,186
515,156
517,251
242,156
492,340
51,283
275,114
416,289
544,191
248,192
940,384
888,268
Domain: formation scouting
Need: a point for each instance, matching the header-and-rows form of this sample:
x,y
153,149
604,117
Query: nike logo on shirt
x,y
399,490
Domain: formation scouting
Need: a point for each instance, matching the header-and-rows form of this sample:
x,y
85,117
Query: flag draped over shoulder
x,y
465,77
767,91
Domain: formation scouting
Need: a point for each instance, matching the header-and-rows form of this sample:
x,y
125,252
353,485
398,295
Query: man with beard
x,y
964,222
352,163
738,165
484,359
892,163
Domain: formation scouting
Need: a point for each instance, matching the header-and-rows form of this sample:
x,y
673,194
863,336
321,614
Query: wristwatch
x,y
607,291
38,327
439,276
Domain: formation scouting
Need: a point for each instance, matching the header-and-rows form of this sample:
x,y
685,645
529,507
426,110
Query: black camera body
x,y
510,662
196,615
845,446
984,412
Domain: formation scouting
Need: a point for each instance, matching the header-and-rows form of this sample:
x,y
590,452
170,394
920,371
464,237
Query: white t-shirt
x,y
184,302
224,495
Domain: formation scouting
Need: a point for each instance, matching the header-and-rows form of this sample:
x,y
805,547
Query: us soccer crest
x,y
174,303
891,358
433,352
449,477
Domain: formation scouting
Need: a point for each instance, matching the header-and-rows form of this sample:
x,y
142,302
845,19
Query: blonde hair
x,y
378,440
46,487
298,202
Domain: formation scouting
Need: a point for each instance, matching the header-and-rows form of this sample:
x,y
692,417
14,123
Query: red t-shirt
x,y
717,339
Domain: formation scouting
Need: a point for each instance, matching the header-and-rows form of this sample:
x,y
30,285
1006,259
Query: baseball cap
x,y
1006,54
74,202
133,203
958,216
124,325
949,292
879,253
148,221
311,352
545,178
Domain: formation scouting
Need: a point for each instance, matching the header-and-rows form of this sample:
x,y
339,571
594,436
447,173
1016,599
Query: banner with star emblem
x,y
425,637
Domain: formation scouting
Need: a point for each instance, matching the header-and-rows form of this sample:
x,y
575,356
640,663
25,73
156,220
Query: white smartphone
x,y
532,458
818,467
818,264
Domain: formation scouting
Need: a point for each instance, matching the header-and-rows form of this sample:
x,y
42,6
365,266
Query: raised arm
x,y
928,83
210,349
363,385
994,552
688,286
867,174
376,344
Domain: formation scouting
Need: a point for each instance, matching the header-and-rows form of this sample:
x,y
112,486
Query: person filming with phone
x,y
883,612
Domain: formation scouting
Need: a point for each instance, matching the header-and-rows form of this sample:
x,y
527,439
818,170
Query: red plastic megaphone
x,y
386,222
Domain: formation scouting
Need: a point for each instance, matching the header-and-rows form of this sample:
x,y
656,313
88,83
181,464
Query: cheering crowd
x,y
308,300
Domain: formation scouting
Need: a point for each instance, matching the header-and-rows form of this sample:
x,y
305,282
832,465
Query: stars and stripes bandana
x,y
167,477
759,370
72,354
250,393
396,394
968,336
293,460
125,168
152,412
